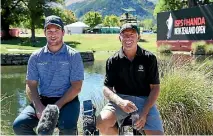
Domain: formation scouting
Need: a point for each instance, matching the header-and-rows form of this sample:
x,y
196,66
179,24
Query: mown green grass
x,y
81,42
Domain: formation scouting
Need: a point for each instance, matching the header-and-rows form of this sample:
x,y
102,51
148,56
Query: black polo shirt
x,y
132,77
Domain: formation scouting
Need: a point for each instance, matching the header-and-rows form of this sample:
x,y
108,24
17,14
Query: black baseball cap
x,y
129,26
53,20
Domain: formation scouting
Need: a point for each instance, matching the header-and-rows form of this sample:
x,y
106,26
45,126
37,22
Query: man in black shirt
x,y
132,86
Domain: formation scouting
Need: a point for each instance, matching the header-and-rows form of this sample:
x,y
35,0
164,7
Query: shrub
x,y
202,48
164,49
5,127
185,99
209,49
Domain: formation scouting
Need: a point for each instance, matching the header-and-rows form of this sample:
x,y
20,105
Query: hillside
x,y
143,8
69,2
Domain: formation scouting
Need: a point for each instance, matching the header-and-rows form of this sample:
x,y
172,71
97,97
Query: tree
x,y
67,16
92,18
111,21
36,9
115,21
12,12
155,28
107,21
167,5
147,24
30,14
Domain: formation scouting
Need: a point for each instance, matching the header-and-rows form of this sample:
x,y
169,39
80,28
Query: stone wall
x,y
22,59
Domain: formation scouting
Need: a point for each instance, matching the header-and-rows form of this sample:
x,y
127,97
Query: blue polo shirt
x,y
55,71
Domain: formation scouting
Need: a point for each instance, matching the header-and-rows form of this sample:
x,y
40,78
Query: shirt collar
x,y
62,50
138,52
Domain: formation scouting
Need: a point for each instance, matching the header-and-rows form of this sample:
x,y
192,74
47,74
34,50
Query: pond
x,y
13,86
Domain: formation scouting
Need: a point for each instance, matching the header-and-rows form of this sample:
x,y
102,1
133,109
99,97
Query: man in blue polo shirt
x,y
54,76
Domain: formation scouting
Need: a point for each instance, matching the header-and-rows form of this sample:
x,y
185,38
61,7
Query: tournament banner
x,y
186,24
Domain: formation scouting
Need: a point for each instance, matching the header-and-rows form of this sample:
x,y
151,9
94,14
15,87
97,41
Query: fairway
x,y
81,42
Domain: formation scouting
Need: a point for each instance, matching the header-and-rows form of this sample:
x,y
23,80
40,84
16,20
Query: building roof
x,y
77,24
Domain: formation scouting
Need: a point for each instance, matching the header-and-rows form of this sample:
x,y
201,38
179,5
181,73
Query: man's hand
x,y
127,106
39,110
140,122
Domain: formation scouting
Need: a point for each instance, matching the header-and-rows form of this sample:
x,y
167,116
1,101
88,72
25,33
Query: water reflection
x,y
95,67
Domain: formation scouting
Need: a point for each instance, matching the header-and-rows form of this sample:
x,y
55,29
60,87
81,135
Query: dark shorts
x,y
153,121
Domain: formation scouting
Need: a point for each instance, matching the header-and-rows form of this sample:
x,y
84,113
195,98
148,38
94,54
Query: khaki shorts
x,y
153,121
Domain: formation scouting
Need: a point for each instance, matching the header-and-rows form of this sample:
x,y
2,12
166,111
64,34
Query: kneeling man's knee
x,y
105,121
16,127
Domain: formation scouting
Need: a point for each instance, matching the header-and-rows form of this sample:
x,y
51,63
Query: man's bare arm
x,y
28,93
32,92
111,95
73,91
125,105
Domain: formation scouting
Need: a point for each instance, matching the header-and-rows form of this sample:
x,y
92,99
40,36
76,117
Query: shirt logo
x,y
42,63
140,68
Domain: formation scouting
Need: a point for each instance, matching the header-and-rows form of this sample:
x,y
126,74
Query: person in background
x,y
132,86
54,76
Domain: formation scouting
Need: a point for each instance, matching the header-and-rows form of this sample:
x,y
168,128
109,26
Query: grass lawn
x,y
101,43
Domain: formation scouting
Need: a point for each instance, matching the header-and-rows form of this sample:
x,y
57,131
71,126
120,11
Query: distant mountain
x,y
154,1
69,2
143,8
